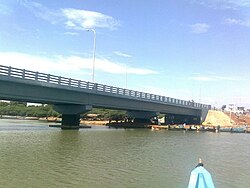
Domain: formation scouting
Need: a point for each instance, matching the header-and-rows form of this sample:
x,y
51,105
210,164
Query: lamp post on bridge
x,y
94,48
126,76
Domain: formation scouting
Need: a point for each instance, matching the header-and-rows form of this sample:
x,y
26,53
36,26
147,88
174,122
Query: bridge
x,y
72,97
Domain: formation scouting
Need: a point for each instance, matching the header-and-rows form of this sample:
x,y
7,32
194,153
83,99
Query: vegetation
x,y
107,114
21,109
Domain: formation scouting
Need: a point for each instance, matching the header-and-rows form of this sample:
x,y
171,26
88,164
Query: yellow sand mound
x,y
215,118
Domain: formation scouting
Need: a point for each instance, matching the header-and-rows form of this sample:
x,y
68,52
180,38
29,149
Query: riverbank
x,y
18,117
224,119
127,125
201,128
56,120
213,119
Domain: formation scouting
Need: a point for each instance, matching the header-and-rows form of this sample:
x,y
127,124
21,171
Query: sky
x,y
186,49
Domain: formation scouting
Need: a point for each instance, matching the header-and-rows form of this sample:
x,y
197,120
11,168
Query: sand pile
x,y
215,118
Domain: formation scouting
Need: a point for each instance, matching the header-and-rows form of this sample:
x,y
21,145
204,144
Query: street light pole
x,y
94,48
126,76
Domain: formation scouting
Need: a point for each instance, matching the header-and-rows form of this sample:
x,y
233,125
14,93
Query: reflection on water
x,y
34,155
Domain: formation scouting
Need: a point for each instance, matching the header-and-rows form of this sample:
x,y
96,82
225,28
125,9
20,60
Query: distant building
x,y
235,109
231,107
241,110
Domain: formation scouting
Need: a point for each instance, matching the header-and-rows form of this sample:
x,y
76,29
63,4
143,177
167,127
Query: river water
x,y
34,155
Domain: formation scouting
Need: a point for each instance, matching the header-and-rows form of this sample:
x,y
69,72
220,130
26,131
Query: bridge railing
x,y
99,88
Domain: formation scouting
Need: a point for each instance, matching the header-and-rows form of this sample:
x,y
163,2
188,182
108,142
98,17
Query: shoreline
x,y
127,125
122,124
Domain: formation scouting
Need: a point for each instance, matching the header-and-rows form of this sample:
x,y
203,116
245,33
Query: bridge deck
x,y
26,77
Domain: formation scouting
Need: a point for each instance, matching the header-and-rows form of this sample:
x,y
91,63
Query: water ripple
x,y
119,158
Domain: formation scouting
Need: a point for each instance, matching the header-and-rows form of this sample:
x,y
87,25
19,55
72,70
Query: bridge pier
x,y
70,120
71,114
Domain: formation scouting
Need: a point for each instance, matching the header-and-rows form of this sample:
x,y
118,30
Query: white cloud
x,y
223,4
202,78
199,28
140,71
156,90
122,54
212,78
228,78
66,65
233,21
31,62
177,93
71,33
40,11
72,18
70,24
80,19
4,10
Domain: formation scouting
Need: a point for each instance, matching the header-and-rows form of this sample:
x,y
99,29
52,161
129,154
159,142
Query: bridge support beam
x,y
171,119
141,116
71,114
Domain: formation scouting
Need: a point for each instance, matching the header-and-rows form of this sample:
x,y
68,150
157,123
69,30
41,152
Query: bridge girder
x,y
18,89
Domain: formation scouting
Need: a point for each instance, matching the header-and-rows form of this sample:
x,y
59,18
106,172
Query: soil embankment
x,y
215,118
240,119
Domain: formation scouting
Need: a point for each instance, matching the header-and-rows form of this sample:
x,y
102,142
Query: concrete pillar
x,y
70,119
71,114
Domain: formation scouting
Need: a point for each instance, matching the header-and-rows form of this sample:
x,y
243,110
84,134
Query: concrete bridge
x,y
72,97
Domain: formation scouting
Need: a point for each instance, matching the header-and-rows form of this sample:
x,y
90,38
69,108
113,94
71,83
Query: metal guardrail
x,y
100,88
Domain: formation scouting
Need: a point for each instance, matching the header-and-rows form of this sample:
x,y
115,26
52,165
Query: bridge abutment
x,y
204,113
71,114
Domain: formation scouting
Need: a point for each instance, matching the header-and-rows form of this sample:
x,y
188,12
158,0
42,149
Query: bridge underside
x,y
141,116
171,119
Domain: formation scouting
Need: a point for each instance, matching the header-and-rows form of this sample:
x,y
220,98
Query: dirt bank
x,y
97,123
242,119
215,118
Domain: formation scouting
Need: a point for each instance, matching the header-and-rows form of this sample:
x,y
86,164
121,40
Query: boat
x,y
200,177
192,128
176,127
225,129
238,130
211,129
158,127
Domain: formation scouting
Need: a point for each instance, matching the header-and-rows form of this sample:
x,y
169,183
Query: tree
x,y
21,109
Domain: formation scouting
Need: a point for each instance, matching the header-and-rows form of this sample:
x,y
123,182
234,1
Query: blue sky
x,y
187,49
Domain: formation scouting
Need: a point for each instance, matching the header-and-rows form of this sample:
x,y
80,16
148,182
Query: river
x,y
34,155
